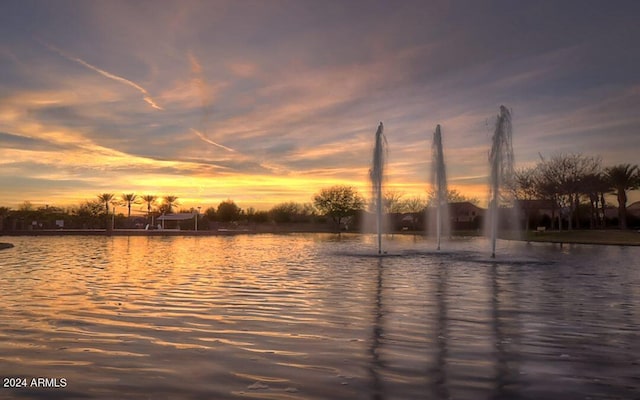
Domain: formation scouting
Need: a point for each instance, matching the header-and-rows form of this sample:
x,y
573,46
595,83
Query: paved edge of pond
x,y
595,243
630,238
602,237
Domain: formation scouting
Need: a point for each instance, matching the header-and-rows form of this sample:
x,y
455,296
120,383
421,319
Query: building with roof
x,y
175,221
465,215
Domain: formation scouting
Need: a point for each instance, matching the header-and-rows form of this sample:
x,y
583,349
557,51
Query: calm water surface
x,y
318,317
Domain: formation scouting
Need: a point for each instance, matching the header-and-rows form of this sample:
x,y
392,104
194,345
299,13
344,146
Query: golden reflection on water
x,y
312,316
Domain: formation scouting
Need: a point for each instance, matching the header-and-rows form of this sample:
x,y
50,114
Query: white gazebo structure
x,y
177,217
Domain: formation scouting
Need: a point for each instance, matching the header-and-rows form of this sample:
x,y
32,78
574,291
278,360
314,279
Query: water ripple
x,y
316,316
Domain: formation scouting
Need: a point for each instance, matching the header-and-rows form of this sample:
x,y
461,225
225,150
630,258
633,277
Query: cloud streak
x,y
146,96
207,140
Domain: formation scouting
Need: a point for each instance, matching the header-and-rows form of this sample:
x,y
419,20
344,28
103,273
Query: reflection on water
x,y
376,341
316,317
438,371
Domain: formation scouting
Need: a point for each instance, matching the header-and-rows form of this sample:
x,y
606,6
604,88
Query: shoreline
x,y
612,237
588,237
158,232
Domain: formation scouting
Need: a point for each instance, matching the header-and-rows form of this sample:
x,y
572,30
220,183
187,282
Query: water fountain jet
x,y
439,181
377,174
501,160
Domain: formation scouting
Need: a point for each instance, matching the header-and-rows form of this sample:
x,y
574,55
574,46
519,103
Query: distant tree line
x,y
99,213
574,185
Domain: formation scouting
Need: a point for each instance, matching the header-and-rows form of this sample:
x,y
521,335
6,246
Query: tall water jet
x,y
501,160
439,181
377,174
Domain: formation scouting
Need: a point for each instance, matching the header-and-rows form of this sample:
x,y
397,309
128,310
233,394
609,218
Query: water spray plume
x,y
501,161
376,175
439,182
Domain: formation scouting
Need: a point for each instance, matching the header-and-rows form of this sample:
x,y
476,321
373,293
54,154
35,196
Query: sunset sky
x,y
269,101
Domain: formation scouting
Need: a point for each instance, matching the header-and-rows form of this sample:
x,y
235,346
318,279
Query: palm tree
x,y
169,202
106,199
129,198
622,177
594,186
149,199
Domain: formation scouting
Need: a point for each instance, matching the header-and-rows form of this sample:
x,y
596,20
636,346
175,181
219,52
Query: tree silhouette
x,y
452,196
169,202
128,199
106,199
286,212
338,202
594,186
228,211
392,201
525,186
623,177
149,199
561,179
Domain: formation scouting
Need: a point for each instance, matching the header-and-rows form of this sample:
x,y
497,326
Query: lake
x,y
316,316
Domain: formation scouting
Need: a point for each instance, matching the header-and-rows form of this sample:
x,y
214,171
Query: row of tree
x,y
571,181
128,199
568,182
336,202
100,212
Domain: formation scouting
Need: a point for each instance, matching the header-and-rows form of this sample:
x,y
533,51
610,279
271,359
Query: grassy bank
x,y
607,237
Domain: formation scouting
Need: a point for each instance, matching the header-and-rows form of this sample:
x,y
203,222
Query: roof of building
x,y
461,205
176,217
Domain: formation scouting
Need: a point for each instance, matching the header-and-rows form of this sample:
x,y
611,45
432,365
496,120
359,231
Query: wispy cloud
x,y
204,89
276,107
244,159
207,140
146,96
